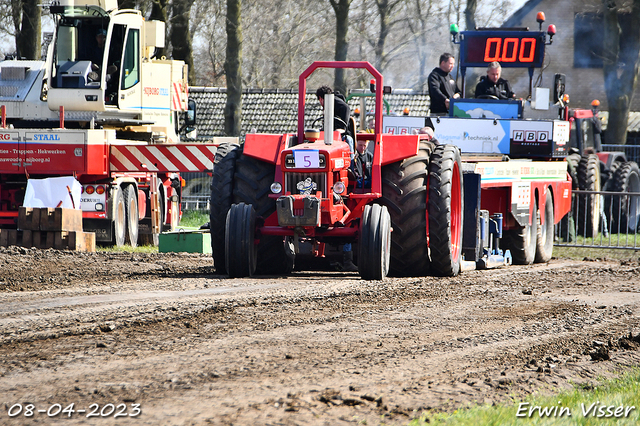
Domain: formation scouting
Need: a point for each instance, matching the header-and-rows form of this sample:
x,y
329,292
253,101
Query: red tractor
x,y
274,194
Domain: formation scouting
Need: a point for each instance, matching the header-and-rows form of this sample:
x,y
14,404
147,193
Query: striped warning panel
x,y
162,158
178,104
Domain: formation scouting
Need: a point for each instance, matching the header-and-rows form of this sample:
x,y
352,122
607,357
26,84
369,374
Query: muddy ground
x,y
167,341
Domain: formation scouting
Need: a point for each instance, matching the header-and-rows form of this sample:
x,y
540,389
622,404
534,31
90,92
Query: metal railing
x,y
631,151
196,202
601,219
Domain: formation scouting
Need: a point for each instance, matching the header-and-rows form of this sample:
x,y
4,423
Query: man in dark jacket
x,y
340,108
341,113
442,87
493,85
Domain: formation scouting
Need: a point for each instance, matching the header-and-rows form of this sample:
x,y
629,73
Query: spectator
x,y
492,85
442,87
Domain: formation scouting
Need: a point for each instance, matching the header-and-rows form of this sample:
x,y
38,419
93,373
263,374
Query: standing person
x,y
442,87
341,113
493,85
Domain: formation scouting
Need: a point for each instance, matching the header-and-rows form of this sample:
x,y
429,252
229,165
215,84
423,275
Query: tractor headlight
x,y
276,187
339,187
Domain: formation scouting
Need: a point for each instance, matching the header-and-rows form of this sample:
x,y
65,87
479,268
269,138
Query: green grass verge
x,y
194,218
599,404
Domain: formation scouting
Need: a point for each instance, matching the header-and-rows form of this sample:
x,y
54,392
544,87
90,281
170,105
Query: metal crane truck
x,y
104,109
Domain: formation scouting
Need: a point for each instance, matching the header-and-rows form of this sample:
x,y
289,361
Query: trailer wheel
x,y
544,235
131,209
522,241
404,192
626,208
120,219
446,208
252,185
374,246
224,165
589,205
240,247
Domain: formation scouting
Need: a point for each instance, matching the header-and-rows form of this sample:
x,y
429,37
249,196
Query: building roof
x,y
276,111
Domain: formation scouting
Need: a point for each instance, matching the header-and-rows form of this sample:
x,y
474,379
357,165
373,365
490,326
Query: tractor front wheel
x,y
224,166
375,243
240,248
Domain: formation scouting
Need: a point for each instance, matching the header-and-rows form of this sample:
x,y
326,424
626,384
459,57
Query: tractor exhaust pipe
x,y
328,118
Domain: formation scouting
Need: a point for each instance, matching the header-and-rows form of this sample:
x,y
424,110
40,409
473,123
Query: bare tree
x,y
28,28
470,15
621,62
181,42
341,9
233,69
159,13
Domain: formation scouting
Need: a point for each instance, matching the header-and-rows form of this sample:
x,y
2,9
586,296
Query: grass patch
x,y
622,392
194,218
601,247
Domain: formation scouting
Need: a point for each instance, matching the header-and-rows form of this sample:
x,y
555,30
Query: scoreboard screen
x,y
510,48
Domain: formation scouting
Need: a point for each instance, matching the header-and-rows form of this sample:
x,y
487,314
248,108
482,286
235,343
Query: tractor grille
x,y
291,182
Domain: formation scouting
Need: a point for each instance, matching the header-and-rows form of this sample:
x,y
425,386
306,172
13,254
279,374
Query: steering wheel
x,y
487,97
319,119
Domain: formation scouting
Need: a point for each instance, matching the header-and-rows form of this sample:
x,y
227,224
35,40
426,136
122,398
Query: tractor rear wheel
x,y
522,241
224,167
375,243
404,192
544,236
446,206
240,248
626,208
589,204
131,213
252,185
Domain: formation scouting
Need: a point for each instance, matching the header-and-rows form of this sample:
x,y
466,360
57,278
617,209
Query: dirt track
x,y
315,348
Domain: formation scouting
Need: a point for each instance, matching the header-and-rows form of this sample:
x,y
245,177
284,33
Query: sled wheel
x,y
240,247
522,241
131,213
626,208
224,166
374,246
589,204
120,219
404,193
544,235
445,210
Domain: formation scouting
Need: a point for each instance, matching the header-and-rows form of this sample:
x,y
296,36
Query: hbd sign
x,y
540,136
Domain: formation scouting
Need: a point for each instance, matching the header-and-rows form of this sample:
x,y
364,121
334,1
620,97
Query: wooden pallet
x,y
47,219
60,240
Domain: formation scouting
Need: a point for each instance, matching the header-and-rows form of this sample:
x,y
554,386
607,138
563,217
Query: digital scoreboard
x,y
524,49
